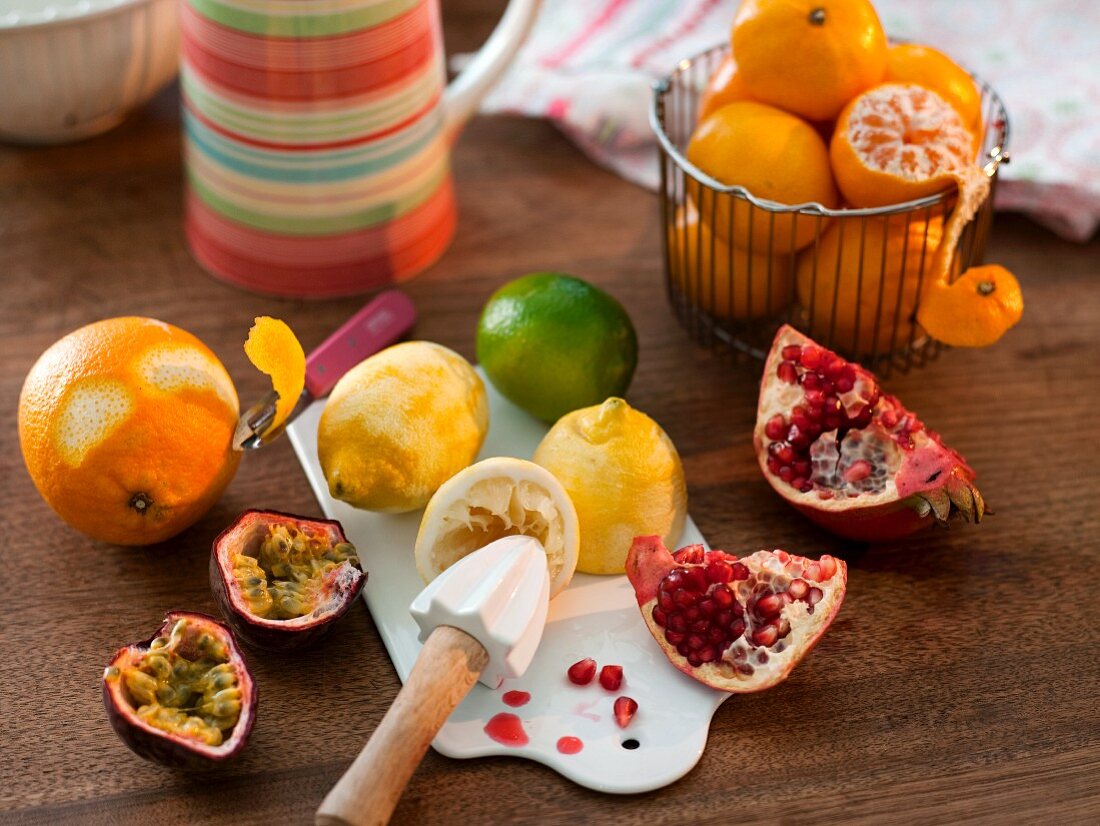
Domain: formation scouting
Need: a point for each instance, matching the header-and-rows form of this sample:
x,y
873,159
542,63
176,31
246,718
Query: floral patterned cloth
x,y
589,64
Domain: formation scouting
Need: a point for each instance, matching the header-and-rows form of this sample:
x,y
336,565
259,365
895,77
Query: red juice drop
x,y
507,729
515,698
570,745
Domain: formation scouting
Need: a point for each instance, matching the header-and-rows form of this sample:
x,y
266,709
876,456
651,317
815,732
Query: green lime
x,y
553,343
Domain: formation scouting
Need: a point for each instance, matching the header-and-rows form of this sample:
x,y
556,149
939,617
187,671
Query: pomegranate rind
x,y
649,562
165,747
933,485
343,585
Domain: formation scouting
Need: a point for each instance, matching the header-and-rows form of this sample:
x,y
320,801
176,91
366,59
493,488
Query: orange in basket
x,y
724,87
872,269
898,142
776,156
809,57
931,68
725,281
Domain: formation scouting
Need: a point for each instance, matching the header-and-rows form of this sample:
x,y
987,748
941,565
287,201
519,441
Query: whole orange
x,y
859,286
809,57
931,68
126,427
725,86
725,281
776,157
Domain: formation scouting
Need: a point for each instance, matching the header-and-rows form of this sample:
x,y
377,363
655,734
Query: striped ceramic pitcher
x,y
318,134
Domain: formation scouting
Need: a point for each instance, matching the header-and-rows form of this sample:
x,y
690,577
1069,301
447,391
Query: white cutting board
x,y
596,616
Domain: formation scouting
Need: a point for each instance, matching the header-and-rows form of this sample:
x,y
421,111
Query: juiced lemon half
x,y
495,498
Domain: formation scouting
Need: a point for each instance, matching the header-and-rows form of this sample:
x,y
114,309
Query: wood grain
x,y
960,681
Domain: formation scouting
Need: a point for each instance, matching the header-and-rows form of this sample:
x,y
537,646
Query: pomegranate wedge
x,y
848,456
738,625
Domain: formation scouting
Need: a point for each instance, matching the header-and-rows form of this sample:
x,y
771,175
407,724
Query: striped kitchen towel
x,y
589,65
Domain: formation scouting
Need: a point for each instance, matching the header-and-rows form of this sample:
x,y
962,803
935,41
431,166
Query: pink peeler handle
x,y
384,320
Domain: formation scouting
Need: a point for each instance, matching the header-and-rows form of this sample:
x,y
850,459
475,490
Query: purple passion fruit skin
x,y
282,581
184,697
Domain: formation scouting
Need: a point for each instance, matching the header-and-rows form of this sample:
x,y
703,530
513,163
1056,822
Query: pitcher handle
x,y
464,93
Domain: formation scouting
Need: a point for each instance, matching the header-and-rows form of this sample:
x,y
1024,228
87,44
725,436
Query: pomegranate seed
x,y
815,596
836,370
828,567
664,599
811,357
889,418
813,572
792,352
708,655
806,487
674,580
722,597
736,630
611,676
723,618
674,637
774,465
719,572
684,598
782,556
769,605
694,642
782,451
691,614
765,636
707,607
798,437
787,372
798,588
858,471
809,380
677,623
689,554
802,468
695,579
659,616
782,625
582,671
776,427
737,610
844,384
625,708
798,482
815,398
799,417
785,473
827,389
715,635
740,572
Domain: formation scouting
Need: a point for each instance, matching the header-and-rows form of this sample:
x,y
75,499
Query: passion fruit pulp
x,y
283,580
184,697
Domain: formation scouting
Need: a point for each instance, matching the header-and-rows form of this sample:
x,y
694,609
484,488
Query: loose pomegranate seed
x,y
582,671
787,372
625,709
611,676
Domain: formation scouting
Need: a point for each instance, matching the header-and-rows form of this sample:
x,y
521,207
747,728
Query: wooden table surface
x,y
961,680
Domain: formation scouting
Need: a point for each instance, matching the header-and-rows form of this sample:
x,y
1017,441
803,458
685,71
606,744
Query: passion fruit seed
x,y
185,685
286,578
712,610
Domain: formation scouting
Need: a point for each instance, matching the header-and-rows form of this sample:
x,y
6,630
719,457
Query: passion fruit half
x,y
283,580
184,697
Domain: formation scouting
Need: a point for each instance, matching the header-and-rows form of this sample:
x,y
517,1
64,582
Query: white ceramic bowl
x,y
70,69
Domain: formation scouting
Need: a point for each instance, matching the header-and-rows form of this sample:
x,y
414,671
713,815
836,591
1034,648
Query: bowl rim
x,y
63,12
997,155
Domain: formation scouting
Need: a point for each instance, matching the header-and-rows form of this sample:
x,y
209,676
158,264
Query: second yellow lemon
x,y
624,476
399,425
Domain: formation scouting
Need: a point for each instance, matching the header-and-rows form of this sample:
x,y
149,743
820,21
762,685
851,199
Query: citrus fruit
x,y
899,142
809,57
724,87
624,476
126,426
273,349
400,424
725,281
495,498
974,311
860,283
931,68
776,157
552,343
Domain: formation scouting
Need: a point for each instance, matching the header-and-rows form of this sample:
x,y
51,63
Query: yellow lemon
x,y
624,476
495,498
400,424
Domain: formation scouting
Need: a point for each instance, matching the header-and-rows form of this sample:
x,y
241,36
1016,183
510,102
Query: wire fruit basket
x,y
853,288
